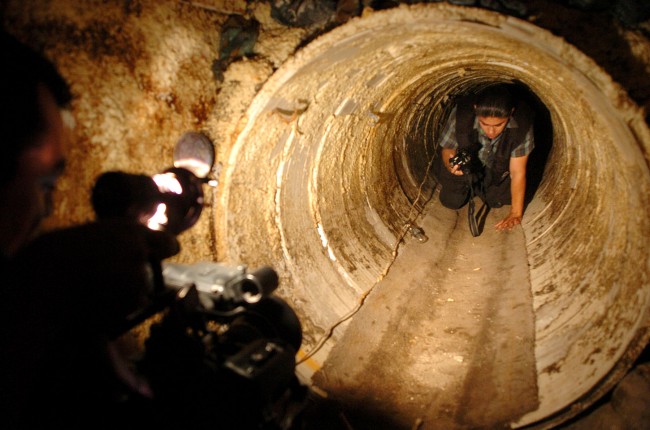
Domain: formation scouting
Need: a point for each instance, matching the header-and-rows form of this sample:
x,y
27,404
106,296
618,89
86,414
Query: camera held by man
x,y
462,159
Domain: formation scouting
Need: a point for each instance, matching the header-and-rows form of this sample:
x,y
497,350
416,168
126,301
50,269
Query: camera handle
x,y
471,217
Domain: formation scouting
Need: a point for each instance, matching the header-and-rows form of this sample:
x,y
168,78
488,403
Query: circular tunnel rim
x,y
282,76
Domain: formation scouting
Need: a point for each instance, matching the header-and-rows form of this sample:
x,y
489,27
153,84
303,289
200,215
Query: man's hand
x,y
517,192
446,155
455,170
509,222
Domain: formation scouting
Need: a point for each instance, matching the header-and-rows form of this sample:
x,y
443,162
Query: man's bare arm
x,y
517,193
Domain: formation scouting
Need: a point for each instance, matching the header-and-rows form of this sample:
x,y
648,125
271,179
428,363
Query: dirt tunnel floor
x,y
446,339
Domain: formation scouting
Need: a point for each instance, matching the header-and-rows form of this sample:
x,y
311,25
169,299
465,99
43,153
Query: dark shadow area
x,y
575,423
328,414
543,129
644,357
323,414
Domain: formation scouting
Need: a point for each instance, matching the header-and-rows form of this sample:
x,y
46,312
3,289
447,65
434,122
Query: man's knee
x,y
453,200
454,190
495,197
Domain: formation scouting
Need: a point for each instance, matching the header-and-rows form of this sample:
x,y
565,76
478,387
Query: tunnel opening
x,y
332,168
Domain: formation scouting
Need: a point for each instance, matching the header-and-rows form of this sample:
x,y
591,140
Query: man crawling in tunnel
x,y
483,150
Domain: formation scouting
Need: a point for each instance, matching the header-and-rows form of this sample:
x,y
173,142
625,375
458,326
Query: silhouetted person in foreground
x,y
62,292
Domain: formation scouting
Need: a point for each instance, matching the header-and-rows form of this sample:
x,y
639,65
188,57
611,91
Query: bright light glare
x,y
167,183
159,219
198,167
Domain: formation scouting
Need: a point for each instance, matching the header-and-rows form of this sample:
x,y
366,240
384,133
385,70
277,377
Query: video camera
x,y
222,352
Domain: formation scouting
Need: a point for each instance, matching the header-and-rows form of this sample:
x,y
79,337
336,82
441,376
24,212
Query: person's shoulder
x,y
524,115
462,105
464,101
523,107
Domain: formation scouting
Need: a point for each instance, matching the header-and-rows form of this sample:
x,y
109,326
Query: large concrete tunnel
x,y
333,167
324,164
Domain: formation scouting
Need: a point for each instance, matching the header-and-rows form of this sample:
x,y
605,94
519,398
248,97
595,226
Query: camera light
x,y
159,219
170,201
168,183
194,152
180,200
199,168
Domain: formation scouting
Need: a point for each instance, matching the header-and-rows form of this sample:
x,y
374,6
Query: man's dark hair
x,y
494,101
22,71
